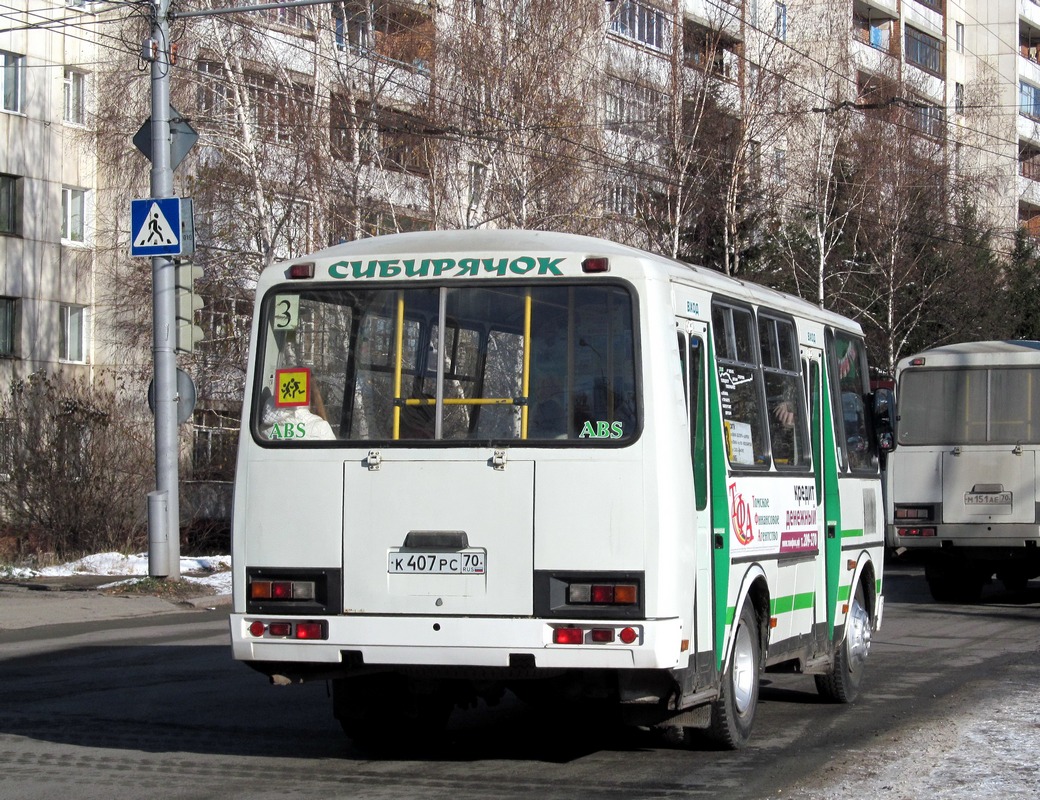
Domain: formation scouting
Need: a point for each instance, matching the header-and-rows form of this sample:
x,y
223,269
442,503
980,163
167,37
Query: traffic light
x,y
188,333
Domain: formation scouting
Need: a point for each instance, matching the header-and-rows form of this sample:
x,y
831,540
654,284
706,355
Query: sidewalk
x,y
34,602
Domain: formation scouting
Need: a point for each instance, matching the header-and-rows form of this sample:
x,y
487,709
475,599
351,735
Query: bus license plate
x,y
987,498
437,563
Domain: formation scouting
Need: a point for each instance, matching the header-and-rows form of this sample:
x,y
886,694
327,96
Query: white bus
x,y
962,480
482,461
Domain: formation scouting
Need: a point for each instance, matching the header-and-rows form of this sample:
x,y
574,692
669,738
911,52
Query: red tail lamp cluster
x,y
916,531
913,512
598,635
289,629
281,590
603,594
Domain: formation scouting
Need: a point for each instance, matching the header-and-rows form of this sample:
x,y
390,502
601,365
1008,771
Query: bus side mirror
x,y
884,404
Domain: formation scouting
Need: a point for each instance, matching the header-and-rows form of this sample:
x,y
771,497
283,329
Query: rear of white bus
x,y
441,488
962,481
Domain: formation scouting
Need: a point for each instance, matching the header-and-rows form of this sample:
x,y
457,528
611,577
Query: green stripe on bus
x,y
831,498
792,602
851,533
719,507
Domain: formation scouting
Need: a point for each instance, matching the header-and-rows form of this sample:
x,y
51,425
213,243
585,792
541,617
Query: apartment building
x,y
47,189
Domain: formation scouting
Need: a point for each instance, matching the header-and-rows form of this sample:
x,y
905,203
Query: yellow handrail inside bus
x,y
525,381
398,358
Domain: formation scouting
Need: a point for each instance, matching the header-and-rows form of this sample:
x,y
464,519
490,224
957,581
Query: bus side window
x,y
784,394
845,355
691,364
740,386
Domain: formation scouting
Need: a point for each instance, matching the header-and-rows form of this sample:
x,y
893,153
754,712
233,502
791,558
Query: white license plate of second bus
x,y
995,499
469,563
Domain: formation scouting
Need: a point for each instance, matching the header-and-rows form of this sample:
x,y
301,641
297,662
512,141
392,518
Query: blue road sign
x,y
155,227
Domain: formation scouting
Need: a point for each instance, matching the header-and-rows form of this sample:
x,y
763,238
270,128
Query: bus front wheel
x,y
841,684
733,711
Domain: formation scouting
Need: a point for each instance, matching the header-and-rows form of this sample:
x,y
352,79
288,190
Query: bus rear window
x,y
969,406
469,364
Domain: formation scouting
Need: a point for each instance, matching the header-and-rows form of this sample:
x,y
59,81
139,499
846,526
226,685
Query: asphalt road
x,y
153,706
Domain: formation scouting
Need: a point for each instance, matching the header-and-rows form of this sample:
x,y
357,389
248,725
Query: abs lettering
x,y
602,429
275,433
301,430
500,267
389,269
522,265
549,266
469,266
616,430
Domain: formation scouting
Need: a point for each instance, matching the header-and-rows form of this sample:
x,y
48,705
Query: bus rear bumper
x,y
931,536
460,642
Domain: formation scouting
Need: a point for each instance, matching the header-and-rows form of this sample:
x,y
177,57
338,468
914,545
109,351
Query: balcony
x,y
1029,12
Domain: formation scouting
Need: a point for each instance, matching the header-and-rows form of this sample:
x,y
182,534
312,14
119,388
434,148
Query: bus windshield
x,y
472,364
999,405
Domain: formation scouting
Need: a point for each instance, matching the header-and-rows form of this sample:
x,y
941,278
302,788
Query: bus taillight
x,y
281,590
913,512
568,636
916,531
289,629
603,594
594,635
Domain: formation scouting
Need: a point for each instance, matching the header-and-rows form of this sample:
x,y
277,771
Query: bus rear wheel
x,y
733,711
841,684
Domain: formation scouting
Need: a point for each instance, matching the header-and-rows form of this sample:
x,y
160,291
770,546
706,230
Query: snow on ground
x,y
211,571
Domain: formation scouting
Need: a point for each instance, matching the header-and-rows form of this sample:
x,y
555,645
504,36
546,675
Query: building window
x,y
960,37
706,50
352,25
924,51
10,205
291,17
477,179
958,97
928,119
73,346
622,199
274,107
779,170
640,22
476,11
876,33
12,81
1029,162
75,97
780,29
1029,100
73,206
632,108
8,326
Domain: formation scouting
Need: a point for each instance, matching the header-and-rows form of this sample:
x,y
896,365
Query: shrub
x,y
75,469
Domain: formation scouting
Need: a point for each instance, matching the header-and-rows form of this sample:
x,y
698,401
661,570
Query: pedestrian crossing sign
x,y
155,227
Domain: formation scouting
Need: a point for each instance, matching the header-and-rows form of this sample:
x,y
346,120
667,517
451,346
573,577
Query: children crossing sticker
x,y
292,387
